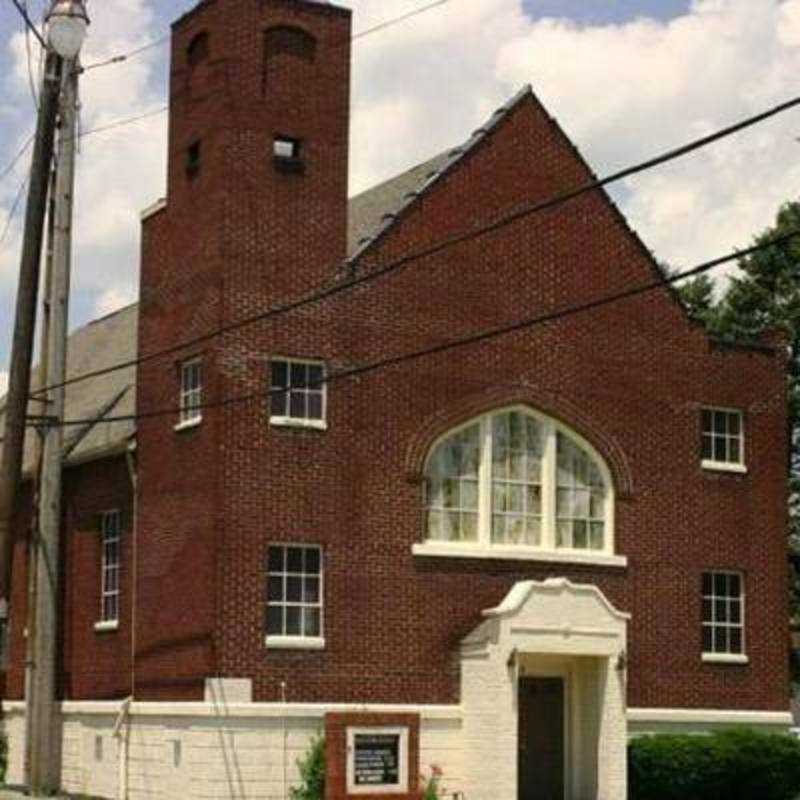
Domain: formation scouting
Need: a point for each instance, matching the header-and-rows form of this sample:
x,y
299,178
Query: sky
x,y
627,79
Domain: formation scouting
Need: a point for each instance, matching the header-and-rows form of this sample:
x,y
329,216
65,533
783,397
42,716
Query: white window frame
x,y
285,420
547,551
286,147
727,465
294,642
106,622
372,789
191,398
725,657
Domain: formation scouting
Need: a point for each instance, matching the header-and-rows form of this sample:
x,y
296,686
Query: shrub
x,y
3,757
430,783
730,765
312,773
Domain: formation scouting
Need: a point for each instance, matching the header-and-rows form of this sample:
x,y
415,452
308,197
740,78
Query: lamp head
x,y
67,23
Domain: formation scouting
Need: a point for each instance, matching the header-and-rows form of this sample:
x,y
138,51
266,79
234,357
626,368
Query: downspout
x,y
124,740
132,474
123,736
284,734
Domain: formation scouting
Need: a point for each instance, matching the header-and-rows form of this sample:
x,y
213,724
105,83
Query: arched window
x,y
197,50
292,41
517,479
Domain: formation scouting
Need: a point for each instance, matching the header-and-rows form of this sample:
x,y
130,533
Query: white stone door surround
x,y
547,628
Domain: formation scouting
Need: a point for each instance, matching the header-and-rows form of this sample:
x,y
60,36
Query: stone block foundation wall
x,y
203,750
189,751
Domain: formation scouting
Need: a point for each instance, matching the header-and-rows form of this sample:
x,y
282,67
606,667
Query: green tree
x,y
764,296
698,297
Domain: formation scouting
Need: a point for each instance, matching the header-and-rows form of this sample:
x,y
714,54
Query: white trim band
x,y
295,642
506,553
724,466
702,716
153,208
298,422
725,658
244,710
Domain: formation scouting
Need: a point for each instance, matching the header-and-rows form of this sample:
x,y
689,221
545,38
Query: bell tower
x,y
259,126
255,214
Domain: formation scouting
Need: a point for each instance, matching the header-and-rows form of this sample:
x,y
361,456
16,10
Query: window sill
x,y
106,627
295,642
725,658
722,466
188,425
292,422
499,552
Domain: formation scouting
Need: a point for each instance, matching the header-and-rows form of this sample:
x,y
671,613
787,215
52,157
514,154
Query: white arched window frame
x,y
546,546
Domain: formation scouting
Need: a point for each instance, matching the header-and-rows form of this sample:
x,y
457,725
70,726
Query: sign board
x,y
376,759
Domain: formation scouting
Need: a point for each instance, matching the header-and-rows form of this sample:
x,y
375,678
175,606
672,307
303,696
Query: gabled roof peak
x,y
440,166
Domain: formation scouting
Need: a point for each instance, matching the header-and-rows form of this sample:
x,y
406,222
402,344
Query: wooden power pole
x,y
24,325
44,734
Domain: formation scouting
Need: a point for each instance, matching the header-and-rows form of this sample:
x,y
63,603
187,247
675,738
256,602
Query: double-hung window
x,y
191,396
110,542
722,439
723,617
294,596
297,393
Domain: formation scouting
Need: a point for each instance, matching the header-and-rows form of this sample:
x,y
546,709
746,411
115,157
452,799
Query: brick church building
x,y
503,558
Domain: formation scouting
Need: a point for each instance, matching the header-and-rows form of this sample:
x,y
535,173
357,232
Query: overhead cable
x,y
380,271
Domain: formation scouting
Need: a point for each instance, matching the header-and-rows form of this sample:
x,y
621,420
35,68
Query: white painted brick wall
x,y
249,755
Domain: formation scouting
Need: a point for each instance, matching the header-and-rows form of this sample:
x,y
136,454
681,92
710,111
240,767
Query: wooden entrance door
x,y
541,739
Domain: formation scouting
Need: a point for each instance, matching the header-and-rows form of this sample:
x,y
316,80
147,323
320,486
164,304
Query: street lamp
x,y
67,22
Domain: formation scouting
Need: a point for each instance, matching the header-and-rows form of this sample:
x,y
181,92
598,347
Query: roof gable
x,y
375,212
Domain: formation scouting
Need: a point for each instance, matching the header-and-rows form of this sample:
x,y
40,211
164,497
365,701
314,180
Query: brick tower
x,y
256,213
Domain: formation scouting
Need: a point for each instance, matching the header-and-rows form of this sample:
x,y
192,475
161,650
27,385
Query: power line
x,y
402,18
122,57
13,210
17,157
27,20
30,66
474,338
126,56
380,271
122,122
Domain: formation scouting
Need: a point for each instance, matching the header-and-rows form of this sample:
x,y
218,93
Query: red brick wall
x,y
95,665
336,754
630,377
224,232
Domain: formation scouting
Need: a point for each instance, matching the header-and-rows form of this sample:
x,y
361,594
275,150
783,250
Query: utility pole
x,y
44,734
33,545
67,22
25,324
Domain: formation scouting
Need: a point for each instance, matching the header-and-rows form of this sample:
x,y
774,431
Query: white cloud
x,y
3,381
111,300
630,91
118,172
623,92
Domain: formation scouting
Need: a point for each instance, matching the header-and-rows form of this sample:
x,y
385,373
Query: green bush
x,y
312,773
730,765
3,758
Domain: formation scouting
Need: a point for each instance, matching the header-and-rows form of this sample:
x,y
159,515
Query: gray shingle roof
x,y
378,209
104,342
113,339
